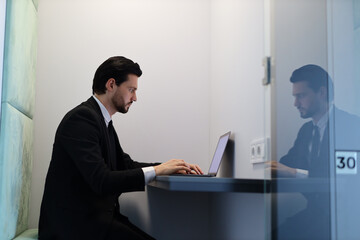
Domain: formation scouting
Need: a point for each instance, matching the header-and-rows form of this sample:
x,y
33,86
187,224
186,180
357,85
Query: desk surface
x,y
217,184
208,184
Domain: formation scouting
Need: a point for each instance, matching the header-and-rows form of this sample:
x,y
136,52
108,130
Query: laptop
x,y
216,161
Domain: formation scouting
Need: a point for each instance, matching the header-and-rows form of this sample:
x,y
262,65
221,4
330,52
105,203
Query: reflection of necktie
x,y
315,144
112,156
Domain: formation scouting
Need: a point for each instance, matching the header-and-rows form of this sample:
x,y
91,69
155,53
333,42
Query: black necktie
x,y
314,154
112,157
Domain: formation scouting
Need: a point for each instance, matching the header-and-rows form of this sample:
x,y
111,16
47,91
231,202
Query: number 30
x,y
349,163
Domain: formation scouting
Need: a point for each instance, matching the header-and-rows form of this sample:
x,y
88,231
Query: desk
x,y
225,208
216,184
218,208
210,184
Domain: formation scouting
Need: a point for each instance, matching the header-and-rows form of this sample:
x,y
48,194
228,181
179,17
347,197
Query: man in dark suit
x,y
310,155
89,169
310,90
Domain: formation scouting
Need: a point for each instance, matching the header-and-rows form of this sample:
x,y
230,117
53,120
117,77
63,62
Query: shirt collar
x,y
323,121
104,111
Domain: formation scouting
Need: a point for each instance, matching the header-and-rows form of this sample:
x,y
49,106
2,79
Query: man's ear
x,y
110,84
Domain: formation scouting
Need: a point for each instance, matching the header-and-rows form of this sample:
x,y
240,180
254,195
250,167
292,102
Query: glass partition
x,y
315,124
344,27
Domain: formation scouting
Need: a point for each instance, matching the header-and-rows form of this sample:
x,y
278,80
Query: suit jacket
x,y
347,132
299,155
314,220
84,181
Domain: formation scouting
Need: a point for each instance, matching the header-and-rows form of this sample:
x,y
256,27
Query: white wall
x,y
237,93
298,41
237,104
169,39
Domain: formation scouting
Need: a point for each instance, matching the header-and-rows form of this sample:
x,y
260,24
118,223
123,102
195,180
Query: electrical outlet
x,y
253,151
259,150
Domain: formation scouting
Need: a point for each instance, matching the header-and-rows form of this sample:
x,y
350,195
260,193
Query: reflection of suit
x,y
314,221
347,134
84,178
299,155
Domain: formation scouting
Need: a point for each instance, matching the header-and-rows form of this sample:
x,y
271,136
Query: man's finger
x,y
197,169
201,172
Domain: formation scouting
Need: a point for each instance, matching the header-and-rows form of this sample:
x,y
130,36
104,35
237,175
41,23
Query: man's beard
x,y
123,108
306,113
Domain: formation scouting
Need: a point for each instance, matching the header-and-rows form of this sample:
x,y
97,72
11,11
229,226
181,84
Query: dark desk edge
x,y
217,184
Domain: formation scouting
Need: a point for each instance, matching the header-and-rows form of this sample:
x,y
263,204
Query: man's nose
x,y
134,98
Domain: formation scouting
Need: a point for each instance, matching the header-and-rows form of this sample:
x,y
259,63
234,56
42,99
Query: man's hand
x,y
172,166
195,169
280,170
177,166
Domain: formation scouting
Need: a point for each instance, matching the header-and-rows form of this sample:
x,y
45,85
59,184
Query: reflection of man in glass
x,y
309,156
311,149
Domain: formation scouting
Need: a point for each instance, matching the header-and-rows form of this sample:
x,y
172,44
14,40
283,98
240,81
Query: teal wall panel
x,y
20,55
36,4
15,170
17,106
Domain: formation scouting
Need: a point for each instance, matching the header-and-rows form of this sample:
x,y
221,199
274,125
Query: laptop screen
x,y
219,152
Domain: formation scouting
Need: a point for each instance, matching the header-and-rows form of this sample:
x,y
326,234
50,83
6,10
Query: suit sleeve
x,y
81,137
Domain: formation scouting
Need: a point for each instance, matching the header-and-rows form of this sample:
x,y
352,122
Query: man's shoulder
x,y
82,120
347,130
308,126
85,111
343,116
84,107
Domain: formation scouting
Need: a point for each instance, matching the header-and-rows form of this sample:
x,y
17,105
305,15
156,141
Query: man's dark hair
x,y
315,76
115,67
